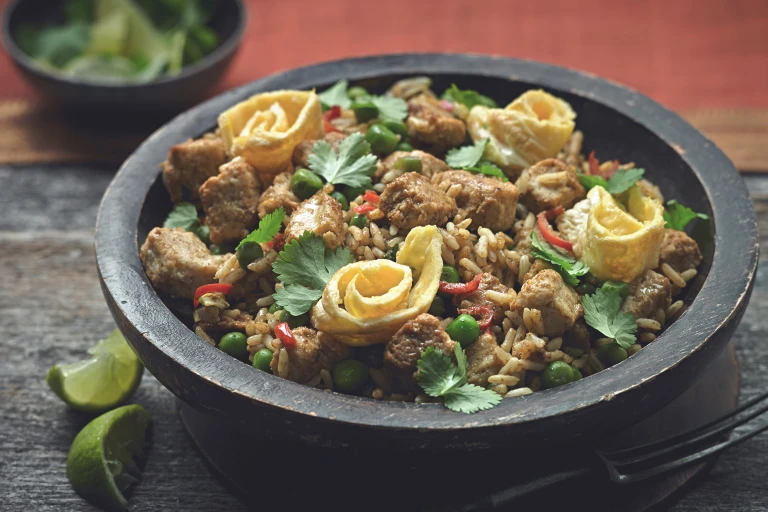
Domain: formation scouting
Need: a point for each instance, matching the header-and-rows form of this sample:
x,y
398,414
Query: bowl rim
x,y
220,53
684,342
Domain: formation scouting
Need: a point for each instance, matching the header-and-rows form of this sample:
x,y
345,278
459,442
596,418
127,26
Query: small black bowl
x,y
167,94
617,123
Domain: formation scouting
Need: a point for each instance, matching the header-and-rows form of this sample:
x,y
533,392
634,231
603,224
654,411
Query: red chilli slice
x,y
546,230
371,196
331,114
211,288
284,334
364,209
484,312
447,105
459,288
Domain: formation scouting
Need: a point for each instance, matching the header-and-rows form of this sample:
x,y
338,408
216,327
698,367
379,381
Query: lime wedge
x,y
102,382
106,457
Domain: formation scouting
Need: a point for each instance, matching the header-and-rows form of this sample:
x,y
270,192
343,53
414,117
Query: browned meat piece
x,y
523,241
320,214
432,127
412,200
679,251
278,194
548,184
178,262
538,266
488,202
482,361
230,200
479,297
404,349
532,348
304,149
313,352
430,164
558,303
227,324
648,293
190,163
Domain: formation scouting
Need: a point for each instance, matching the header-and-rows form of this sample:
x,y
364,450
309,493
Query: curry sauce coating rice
x,y
484,223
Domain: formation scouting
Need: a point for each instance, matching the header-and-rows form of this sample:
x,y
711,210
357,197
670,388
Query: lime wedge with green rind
x,y
106,457
102,382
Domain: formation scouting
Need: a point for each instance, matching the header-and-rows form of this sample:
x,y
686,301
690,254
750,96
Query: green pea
x,y
359,220
617,286
305,183
204,234
408,164
248,253
397,127
341,199
262,360
463,330
234,344
364,110
449,274
438,307
611,354
357,93
352,193
392,252
556,374
382,140
349,375
576,374
404,146
274,307
293,321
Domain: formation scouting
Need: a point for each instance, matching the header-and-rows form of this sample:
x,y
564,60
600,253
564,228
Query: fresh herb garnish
x,y
269,226
438,376
488,169
567,266
466,156
390,108
602,312
467,97
305,266
336,95
353,165
616,184
183,215
678,216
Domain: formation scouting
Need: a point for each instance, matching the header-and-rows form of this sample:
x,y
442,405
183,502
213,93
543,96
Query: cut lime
x,y
102,382
106,457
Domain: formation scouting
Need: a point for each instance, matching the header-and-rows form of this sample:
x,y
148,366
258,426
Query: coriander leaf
x,y
470,398
568,267
488,169
437,374
467,97
269,226
678,216
601,311
467,156
623,179
616,184
353,165
184,215
296,299
390,108
336,95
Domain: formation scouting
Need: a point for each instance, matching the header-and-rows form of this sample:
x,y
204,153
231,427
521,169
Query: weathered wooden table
x,y
52,310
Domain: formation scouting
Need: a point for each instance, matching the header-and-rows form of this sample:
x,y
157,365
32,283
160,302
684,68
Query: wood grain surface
x,y
53,310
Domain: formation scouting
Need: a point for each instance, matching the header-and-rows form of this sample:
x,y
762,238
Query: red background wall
x,y
684,53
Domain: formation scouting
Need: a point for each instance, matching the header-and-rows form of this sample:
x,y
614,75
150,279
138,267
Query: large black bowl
x,y
617,123
166,94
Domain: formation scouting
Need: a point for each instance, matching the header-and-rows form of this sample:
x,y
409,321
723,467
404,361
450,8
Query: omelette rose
x,y
366,302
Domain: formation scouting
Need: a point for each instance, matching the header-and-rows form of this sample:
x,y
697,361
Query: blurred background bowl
x,y
168,94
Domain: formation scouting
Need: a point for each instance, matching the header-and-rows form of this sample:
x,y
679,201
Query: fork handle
x,y
517,491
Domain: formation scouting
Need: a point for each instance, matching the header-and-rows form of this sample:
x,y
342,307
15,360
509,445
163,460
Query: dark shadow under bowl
x,y
166,95
617,123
